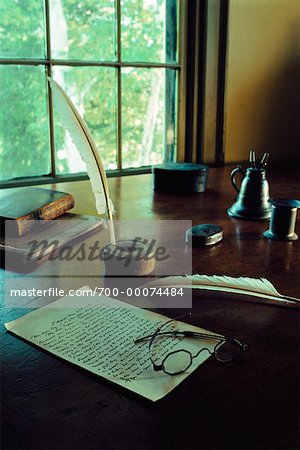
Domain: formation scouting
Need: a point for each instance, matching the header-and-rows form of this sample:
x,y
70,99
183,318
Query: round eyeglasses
x,y
178,361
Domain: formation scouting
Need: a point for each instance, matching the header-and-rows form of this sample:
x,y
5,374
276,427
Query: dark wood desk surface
x,y
251,403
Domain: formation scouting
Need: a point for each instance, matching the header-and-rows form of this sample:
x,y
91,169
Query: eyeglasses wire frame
x,y
241,346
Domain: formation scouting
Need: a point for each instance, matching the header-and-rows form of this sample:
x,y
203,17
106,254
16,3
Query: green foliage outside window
x,y
84,31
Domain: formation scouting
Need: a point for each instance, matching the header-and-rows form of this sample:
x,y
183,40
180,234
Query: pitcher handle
x,y
233,174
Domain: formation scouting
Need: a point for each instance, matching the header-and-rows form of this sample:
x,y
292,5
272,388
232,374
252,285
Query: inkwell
x,y
129,258
253,193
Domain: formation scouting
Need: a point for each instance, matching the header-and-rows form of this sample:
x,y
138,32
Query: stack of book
x,y
21,208
28,215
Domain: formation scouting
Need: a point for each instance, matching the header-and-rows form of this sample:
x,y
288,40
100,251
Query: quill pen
x,y
262,289
85,144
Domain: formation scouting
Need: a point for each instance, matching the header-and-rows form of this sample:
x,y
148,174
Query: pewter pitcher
x,y
253,195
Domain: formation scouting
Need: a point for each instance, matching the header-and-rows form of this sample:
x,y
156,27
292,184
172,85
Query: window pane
x,y
148,121
83,29
93,91
149,30
24,134
22,33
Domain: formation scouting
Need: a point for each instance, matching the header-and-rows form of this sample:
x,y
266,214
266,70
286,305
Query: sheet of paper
x,y
98,334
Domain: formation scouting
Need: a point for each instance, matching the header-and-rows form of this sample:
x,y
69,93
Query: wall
x,y
262,79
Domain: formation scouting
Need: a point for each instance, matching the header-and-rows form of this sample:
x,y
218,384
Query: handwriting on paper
x,y
98,334
93,339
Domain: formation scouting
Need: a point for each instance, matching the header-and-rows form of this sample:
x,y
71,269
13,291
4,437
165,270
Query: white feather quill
x,y
260,288
85,144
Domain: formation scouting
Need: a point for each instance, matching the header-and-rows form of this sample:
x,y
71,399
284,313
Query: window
x,y
117,60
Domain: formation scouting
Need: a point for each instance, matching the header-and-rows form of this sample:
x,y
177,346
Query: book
x,y
20,208
18,253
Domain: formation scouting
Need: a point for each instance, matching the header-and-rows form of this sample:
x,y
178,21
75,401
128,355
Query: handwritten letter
x,y
98,334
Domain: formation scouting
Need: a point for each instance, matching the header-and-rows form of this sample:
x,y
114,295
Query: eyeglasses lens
x,y
227,351
177,362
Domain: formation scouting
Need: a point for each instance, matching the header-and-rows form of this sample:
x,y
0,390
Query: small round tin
x,y
177,178
204,234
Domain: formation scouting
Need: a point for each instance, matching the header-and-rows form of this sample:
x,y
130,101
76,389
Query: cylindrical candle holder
x,y
283,220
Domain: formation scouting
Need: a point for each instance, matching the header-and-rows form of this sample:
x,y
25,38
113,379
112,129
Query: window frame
x,y
49,62
201,88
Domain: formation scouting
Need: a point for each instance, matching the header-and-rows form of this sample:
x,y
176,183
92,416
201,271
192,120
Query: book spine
x,y
45,213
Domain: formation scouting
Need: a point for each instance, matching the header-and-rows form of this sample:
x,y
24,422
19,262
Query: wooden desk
x,y
251,403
